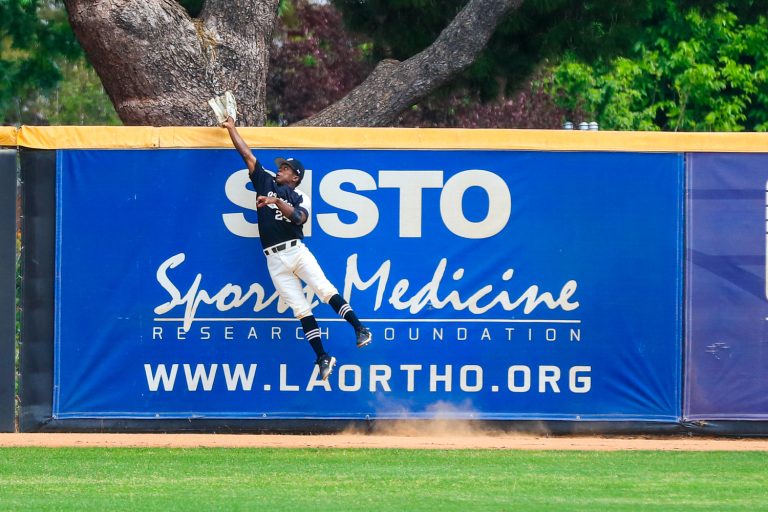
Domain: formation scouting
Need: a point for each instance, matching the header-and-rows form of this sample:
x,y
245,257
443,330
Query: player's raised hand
x,y
229,123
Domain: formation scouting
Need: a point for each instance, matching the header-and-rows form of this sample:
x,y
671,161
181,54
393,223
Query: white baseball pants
x,y
291,266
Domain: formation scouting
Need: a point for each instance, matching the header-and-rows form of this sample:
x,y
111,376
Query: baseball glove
x,y
224,106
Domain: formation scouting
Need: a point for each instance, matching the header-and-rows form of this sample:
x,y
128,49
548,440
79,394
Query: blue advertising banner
x,y
497,284
727,293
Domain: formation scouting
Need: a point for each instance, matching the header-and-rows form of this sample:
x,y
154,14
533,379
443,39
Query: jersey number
x,y
278,214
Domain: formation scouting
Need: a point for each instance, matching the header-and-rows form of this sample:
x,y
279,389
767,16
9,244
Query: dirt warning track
x,y
442,442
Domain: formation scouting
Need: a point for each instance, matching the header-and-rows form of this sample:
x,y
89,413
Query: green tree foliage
x,y
45,77
699,68
78,99
32,34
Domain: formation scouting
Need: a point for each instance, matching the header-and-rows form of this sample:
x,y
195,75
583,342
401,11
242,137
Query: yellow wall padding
x,y
83,137
69,137
8,136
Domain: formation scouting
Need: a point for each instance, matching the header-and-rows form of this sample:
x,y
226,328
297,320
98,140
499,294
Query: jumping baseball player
x,y
282,211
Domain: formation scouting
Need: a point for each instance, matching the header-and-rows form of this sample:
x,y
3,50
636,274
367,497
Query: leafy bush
x,y
691,71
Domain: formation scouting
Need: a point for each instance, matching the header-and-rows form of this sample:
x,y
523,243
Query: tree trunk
x,y
160,66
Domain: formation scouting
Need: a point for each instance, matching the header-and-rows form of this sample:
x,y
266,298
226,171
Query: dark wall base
x,y
38,174
7,290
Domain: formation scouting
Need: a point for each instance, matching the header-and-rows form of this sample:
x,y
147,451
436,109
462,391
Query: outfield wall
x,y
727,289
506,275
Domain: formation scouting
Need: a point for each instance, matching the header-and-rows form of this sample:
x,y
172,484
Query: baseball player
x,y
282,211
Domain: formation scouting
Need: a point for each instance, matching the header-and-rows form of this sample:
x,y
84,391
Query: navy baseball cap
x,y
294,164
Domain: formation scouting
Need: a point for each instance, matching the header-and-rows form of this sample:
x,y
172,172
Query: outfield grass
x,y
377,479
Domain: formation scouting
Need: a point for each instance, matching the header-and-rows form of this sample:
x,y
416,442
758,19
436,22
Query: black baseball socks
x,y
312,334
345,311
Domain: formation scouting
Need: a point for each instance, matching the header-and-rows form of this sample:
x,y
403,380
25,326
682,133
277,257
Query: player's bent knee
x,y
302,313
326,293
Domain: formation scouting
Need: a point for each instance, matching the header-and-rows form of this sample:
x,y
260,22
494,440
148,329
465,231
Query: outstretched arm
x,y
240,145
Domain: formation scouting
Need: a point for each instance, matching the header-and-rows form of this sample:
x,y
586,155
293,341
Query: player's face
x,y
286,175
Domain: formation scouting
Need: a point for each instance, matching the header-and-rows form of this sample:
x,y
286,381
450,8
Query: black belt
x,y
280,247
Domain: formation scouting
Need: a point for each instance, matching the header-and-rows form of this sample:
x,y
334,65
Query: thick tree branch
x,y
394,86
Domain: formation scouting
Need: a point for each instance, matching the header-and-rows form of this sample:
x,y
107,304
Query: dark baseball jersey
x,y
274,227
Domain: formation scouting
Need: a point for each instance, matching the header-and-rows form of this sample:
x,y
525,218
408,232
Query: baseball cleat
x,y
326,364
364,337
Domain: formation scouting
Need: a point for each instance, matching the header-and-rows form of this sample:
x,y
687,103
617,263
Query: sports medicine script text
x,y
232,296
